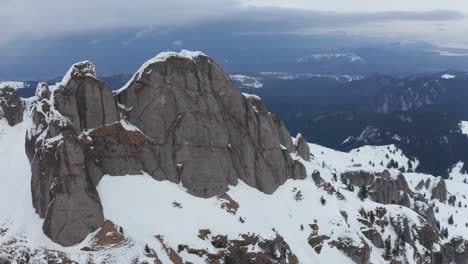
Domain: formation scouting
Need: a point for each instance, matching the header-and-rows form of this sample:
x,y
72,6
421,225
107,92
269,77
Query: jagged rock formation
x,y
180,118
439,191
383,187
302,147
11,106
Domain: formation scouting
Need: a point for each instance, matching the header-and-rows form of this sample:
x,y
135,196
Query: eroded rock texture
x,y
180,118
11,107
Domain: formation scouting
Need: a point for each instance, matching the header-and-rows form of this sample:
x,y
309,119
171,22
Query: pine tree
x,y
450,220
396,247
363,193
371,217
445,232
388,247
322,200
147,249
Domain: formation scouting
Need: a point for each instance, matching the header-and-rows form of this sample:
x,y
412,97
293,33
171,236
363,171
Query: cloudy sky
x,y
59,32
442,22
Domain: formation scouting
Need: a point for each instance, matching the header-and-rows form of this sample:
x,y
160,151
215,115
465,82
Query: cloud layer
x,y
24,20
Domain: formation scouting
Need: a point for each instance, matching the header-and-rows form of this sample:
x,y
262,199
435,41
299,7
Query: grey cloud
x,y
31,19
281,20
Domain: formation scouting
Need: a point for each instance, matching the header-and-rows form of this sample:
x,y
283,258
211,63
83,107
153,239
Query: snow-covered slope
x,y
162,216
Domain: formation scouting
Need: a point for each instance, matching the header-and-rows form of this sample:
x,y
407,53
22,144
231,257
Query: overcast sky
x,y
442,22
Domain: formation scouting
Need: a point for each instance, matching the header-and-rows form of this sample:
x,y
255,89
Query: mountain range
x,y
179,166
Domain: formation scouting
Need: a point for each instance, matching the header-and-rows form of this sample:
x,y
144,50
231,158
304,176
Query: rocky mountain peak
x,y
80,70
180,118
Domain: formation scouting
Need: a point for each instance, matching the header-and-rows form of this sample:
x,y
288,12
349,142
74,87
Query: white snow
x,y
246,81
449,53
12,84
464,127
143,207
129,127
149,210
163,56
349,57
305,76
447,76
256,97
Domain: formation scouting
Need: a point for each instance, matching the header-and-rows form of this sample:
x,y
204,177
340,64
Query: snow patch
x,y
463,127
447,76
253,96
245,81
12,84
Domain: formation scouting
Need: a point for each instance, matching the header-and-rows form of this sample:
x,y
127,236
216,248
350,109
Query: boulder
x,y
298,171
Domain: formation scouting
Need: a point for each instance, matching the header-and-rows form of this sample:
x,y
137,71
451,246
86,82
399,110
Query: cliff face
x,y
180,118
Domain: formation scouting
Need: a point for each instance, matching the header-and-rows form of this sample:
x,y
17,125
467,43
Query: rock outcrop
x,y
302,147
179,118
383,187
440,191
11,106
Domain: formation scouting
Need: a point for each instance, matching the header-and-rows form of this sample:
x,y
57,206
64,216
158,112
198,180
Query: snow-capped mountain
x,y
178,166
348,57
304,76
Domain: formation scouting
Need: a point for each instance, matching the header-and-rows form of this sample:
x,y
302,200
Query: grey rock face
x,y
440,191
192,109
388,190
87,102
283,133
11,106
298,171
383,188
183,121
374,236
302,147
358,178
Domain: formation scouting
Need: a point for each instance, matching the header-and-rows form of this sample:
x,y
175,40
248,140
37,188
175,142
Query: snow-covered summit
x,y
349,57
79,69
447,76
161,57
